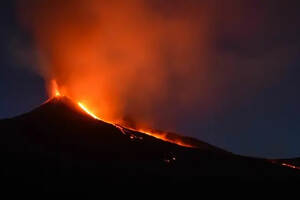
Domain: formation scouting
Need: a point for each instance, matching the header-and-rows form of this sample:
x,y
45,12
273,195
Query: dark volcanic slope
x,y
56,141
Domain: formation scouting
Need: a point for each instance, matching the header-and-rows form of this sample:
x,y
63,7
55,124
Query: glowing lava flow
x,y
55,93
290,166
160,135
83,107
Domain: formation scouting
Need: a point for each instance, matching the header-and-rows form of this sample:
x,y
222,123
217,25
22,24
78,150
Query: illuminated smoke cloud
x,y
150,63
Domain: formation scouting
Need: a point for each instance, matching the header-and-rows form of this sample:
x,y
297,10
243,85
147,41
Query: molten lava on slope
x,y
60,145
172,138
56,94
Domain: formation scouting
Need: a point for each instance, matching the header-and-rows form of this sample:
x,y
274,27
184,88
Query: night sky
x,y
267,124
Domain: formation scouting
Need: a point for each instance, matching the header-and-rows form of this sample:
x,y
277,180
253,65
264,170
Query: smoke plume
x,y
152,62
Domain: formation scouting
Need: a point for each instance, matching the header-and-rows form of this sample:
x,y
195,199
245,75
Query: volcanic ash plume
x,y
125,59
143,62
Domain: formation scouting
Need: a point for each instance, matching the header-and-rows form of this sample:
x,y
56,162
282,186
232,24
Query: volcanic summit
x,y
58,140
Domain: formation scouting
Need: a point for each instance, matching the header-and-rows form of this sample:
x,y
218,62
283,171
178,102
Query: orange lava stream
x,y
290,166
161,136
55,93
147,132
87,110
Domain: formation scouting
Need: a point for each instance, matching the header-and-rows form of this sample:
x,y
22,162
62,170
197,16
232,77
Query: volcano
x,y
58,145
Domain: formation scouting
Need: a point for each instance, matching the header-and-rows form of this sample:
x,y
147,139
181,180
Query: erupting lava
x,y
87,110
162,136
55,93
290,166
55,90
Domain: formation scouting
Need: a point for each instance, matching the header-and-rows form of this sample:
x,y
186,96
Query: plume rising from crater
x,y
141,62
120,58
